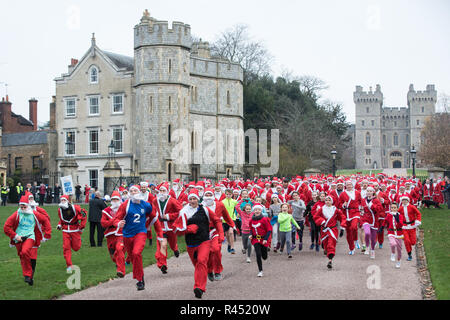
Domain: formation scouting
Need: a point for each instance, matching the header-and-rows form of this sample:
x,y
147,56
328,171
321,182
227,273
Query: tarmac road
x,y
304,277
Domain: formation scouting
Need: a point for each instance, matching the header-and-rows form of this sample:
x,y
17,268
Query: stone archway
x,y
396,164
396,159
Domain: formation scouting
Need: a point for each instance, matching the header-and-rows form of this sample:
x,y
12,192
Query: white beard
x,y
64,205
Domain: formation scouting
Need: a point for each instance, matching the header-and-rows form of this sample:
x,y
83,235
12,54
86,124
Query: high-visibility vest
x,y
4,190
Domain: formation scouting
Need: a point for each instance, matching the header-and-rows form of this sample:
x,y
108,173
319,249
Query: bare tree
x,y
236,45
312,86
443,102
434,149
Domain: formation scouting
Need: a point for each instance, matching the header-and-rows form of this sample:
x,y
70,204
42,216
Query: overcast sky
x,y
345,43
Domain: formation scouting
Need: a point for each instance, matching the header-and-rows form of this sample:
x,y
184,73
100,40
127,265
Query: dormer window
x,y
93,75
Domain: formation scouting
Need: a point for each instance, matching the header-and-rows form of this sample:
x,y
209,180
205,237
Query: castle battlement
x,y
150,32
360,96
430,94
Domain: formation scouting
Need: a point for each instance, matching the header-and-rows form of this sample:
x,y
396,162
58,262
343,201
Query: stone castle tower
x,y
178,85
385,135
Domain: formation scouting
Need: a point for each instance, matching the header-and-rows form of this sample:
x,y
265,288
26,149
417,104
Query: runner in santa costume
x,y
394,224
178,193
132,216
215,267
349,203
34,206
87,190
427,192
219,195
327,217
196,221
167,210
372,210
261,230
27,228
72,221
385,202
114,236
412,219
437,194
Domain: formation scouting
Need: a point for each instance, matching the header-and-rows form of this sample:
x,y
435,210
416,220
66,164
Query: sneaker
x,y
317,248
176,253
140,285
329,265
393,257
217,276
278,245
120,274
198,293
211,276
69,269
311,247
352,252
244,251
232,251
372,254
275,250
260,274
248,260
293,247
380,246
409,258
229,248
300,246
281,251
366,252
363,249
357,245
164,269
397,265
290,256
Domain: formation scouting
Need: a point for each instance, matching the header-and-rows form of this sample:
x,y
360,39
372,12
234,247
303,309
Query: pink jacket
x,y
245,221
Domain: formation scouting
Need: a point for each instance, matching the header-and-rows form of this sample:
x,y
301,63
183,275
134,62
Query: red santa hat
x,y
340,181
115,195
176,181
403,197
329,197
200,184
24,200
194,193
163,186
65,197
134,187
211,190
257,206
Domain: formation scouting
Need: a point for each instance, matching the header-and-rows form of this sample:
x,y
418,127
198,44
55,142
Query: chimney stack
x,y
53,113
33,112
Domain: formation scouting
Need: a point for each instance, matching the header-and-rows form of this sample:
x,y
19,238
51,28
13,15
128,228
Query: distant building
x,y
13,123
384,136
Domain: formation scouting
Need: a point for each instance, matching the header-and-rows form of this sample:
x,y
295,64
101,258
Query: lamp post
x,y
333,154
413,157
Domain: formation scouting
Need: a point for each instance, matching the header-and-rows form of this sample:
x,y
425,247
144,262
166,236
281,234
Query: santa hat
x,y
134,187
144,184
329,197
176,181
256,206
65,197
163,186
402,197
24,200
211,190
200,184
115,195
194,193
340,181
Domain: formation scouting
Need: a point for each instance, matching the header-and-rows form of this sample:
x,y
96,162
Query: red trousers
x,y
380,236
71,241
116,250
352,232
161,260
329,245
215,256
24,253
134,247
199,257
409,238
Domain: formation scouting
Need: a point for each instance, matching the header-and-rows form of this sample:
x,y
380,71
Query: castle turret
x,y
367,127
162,63
421,105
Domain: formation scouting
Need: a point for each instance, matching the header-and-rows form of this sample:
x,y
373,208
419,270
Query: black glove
x,y
341,233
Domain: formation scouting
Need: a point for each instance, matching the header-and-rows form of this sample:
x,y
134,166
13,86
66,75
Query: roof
x,y
24,138
121,61
21,120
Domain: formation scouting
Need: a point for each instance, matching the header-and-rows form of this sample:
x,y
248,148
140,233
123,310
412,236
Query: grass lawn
x,y
50,277
436,226
419,172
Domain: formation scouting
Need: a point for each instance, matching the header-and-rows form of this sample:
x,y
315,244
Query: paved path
x,y
303,277
398,172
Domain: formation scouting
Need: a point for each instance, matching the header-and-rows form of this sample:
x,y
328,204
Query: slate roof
x,y
21,120
24,138
121,61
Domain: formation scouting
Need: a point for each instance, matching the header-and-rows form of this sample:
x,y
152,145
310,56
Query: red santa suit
x,y
114,236
349,202
372,210
215,255
437,194
179,195
427,191
195,224
171,209
412,219
327,218
86,193
72,221
42,232
385,202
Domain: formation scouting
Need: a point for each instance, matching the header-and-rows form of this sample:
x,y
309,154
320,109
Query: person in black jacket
x,y
56,193
96,207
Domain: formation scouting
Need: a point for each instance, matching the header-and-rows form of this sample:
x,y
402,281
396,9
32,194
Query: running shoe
x,y
357,244
260,274
393,257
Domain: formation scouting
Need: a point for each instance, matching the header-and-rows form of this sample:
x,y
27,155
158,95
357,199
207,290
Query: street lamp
x,y
333,154
413,157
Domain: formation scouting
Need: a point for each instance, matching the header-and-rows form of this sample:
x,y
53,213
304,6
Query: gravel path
x,y
303,277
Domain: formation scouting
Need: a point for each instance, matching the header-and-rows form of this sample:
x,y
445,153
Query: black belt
x,y
411,222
